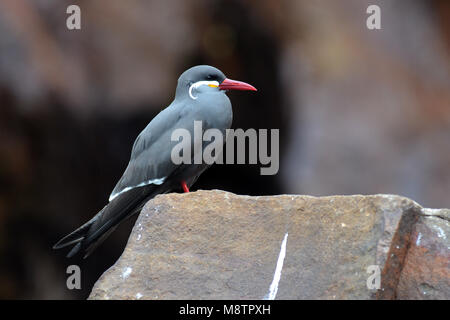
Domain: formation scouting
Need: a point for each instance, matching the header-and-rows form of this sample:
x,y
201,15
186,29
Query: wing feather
x,y
150,161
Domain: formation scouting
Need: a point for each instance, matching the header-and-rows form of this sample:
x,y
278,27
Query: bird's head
x,y
200,79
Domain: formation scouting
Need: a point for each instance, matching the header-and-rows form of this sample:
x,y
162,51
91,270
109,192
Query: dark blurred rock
x,y
218,245
426,273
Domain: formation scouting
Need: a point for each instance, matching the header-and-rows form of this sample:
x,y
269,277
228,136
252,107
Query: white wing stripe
x,y
153,181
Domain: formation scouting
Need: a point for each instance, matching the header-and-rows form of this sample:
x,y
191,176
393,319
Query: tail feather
x,y
74,250
90,235
75,236
98,242
78,236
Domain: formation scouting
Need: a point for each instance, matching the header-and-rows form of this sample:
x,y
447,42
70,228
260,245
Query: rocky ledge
x,y
218,245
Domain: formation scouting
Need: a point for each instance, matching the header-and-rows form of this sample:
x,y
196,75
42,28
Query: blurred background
x,y
359,111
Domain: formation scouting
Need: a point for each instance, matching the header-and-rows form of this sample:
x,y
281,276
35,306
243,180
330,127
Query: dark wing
x,y
149,166
150,161
145,176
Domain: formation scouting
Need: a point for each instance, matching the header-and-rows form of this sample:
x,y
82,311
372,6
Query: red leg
x,y
185,187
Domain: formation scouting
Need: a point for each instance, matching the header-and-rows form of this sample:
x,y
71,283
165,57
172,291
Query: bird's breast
x,y
215,110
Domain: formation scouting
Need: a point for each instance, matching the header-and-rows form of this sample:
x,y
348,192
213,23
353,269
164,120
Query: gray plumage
x,y
151,170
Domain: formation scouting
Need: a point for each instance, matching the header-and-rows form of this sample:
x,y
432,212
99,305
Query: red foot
x,y
185,187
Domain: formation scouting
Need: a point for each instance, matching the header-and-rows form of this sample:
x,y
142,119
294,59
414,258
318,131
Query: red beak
x,y
229,84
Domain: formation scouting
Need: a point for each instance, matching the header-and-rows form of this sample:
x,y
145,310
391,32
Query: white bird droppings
x,y
138,295
126,272
441,233
276,277
419,237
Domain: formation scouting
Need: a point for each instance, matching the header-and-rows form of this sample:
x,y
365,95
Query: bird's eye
x,y
210,77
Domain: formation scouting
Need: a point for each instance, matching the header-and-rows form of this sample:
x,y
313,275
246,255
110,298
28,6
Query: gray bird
x,y
200,96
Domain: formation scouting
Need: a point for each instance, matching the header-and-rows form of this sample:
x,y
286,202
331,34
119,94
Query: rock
x,y
218,245
426,273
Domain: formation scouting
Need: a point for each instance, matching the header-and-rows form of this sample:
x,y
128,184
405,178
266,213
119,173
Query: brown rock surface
x,y
218,245
426,274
